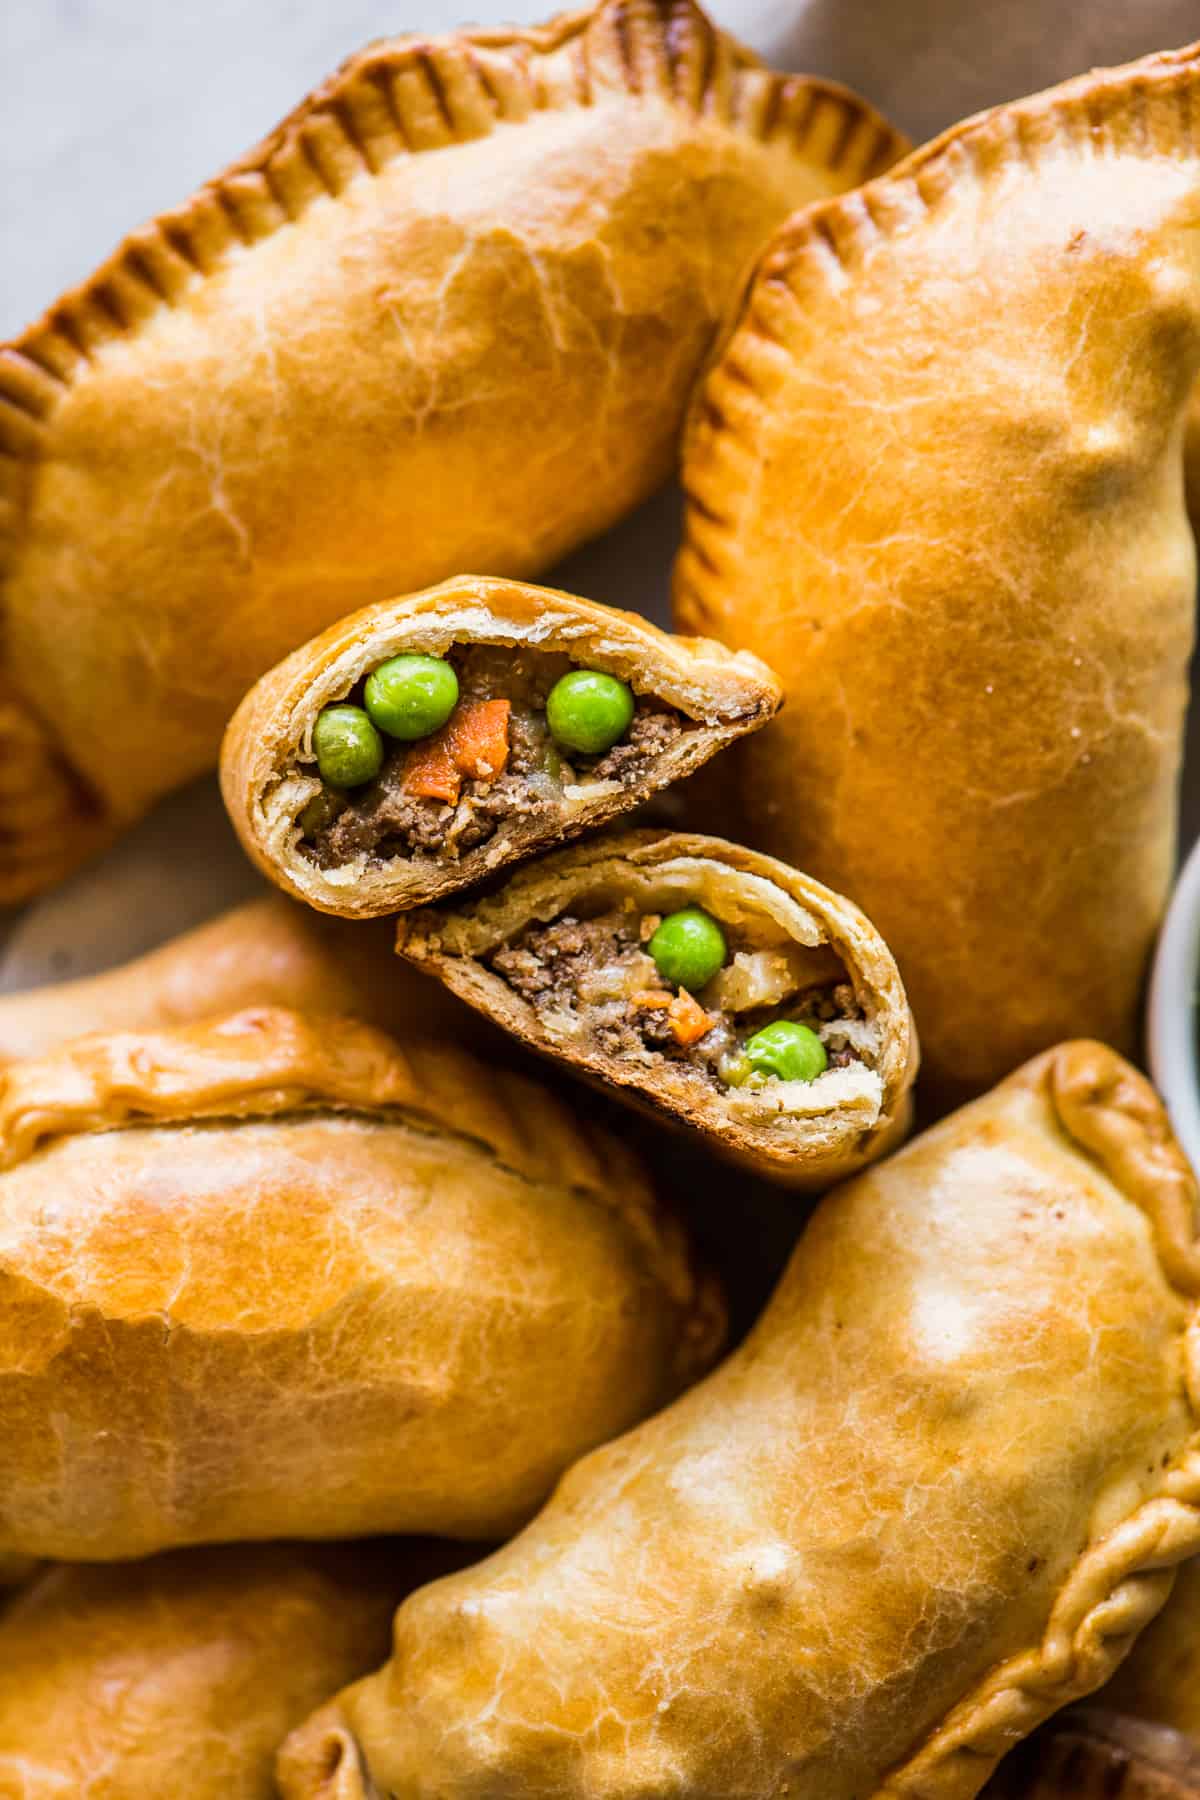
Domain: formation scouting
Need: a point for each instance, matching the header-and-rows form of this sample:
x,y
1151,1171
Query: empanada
x,y
279,1276
569,955
935,479
490,782
178,1678
267,952
446,316
934,1496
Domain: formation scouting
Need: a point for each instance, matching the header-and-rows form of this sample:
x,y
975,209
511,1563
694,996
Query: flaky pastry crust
x,y
806,1138
934,477
180,1676
446,316
268,769
267,952
280,1276
933,1497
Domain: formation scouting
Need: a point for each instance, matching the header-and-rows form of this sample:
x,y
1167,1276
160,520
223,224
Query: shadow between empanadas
x,y
934,1496
461,739
179,1677
445,316
709,984
283,1276
267,952
935,479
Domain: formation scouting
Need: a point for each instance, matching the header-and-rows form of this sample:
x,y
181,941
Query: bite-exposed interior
x,y
427,758
726,978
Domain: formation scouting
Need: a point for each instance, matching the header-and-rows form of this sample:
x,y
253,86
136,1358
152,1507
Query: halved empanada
x,y
934,1496
935,478
178,1678
563,955
446,316
492,785
267,952
281,1276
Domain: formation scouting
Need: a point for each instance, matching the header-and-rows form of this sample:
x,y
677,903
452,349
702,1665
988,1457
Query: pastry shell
x,y
279,1276
445,316
933,1497
180,1676
268,769
802,1134
934,477
267,952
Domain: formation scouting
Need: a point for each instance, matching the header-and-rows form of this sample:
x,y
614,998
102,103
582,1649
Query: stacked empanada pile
x,y
319,1295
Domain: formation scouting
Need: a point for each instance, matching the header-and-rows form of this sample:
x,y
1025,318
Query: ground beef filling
x,y
599,968
382,821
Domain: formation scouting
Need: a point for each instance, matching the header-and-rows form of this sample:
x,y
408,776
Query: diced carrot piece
x,y
430,774
473,741
479,738
651,1000
687,1018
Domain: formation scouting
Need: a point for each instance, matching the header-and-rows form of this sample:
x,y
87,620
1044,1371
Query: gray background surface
x,y
111,110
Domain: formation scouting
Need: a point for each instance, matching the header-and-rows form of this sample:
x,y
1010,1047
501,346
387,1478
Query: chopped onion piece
x,y
759,978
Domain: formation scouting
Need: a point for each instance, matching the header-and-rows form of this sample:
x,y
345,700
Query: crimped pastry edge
x,y
821,245
812,1152
723,693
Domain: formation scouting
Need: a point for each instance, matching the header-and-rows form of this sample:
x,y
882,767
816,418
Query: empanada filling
x,y
773,1012
491,758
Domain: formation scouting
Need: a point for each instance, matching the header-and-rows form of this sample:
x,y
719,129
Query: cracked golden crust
x,y
990,502
806,1149
339,372
723,695
182,1674
249,1269
933,1497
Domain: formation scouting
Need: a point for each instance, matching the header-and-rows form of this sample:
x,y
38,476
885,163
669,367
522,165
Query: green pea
x,y
411,696
589,711
789,1050
688,948
349,749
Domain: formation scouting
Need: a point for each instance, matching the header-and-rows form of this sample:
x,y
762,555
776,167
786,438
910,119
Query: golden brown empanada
x,y
267,952
934,1496
491,785
935,478
178,1678
446,316
561,955
281,1276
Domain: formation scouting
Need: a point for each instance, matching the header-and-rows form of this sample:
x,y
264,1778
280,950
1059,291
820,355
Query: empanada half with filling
x,y
935,479
713,986
426,742
446,316
281,1276
934,1496
177,1678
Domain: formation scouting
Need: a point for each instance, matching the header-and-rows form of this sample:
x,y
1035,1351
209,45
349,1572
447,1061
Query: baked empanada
x,y
178,1678
281,1277
935,478
786,1040
268,952
494,670
446,316
934,1496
